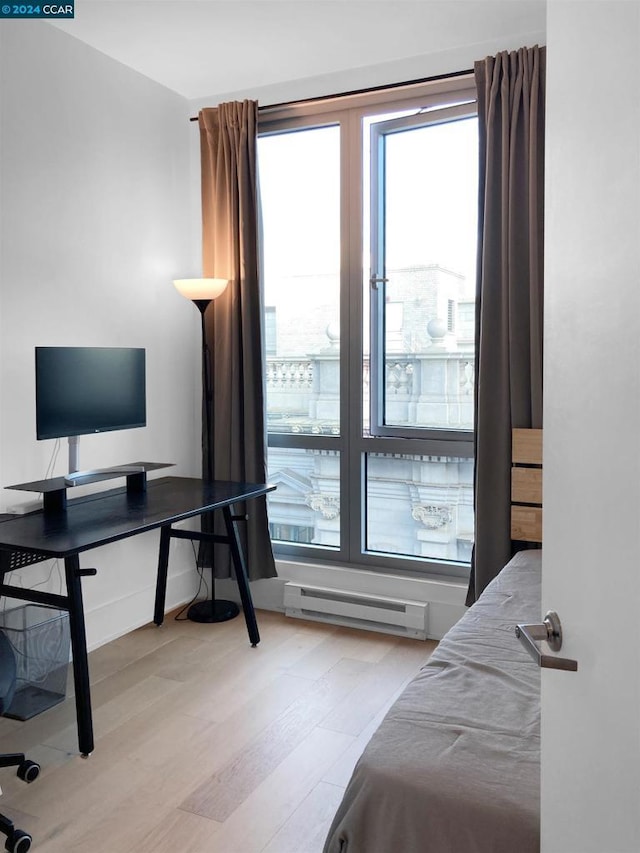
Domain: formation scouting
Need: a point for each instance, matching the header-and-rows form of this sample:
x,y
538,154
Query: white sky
x,y
300,189
431,205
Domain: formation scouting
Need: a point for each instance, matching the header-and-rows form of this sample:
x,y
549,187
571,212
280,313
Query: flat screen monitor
x,y
83,390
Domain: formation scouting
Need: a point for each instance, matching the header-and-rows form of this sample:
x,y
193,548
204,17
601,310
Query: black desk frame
x,y
15,554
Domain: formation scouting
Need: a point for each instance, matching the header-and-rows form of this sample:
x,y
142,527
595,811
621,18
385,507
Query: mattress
x,y
455,765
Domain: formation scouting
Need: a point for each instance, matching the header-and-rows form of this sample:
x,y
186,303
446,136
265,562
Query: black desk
x,y
99,519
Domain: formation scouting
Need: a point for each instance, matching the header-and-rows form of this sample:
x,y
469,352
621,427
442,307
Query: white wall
x,y
95,184
591,561
453,56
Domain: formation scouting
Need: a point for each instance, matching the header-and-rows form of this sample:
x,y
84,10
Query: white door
x,y
591,558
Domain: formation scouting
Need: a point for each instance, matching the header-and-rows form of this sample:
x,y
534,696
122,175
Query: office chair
x,y
17,840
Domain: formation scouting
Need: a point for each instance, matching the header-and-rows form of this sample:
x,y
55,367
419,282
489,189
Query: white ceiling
x,y
205,47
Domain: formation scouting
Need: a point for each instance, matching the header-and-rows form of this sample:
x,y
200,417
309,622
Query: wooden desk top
x,y
104,517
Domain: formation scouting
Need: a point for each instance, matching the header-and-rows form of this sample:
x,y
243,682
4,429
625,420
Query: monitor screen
x,y
82,390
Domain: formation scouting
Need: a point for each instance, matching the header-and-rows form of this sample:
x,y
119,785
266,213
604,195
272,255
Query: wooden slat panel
x,y
527,446
526,523
526,485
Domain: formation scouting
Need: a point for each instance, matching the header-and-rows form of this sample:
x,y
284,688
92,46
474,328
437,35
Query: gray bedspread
x,y
455,765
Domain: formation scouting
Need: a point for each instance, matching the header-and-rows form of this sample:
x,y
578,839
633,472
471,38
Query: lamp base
x,y
213,611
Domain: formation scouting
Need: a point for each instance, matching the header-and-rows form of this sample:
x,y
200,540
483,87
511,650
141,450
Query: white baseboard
x,y
111,619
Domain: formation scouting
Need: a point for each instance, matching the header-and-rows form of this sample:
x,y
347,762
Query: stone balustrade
x,y
431,388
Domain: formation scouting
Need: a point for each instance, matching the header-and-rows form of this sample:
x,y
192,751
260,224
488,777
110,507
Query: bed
x,y
455,765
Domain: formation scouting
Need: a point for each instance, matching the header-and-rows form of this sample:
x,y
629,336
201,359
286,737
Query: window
x,y
300,190
369,208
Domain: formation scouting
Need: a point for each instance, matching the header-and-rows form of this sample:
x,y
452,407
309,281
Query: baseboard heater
x,y
357,610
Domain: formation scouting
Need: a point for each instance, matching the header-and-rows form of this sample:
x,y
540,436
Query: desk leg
x,y
241,576
161,581
79,652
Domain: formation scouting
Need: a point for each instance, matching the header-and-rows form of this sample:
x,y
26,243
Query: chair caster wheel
x,y
28,771
18,842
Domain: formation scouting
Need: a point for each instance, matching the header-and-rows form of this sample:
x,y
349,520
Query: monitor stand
x,y
79,478
74,453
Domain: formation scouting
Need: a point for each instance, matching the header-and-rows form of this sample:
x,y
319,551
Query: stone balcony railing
x,y
289,375
432,388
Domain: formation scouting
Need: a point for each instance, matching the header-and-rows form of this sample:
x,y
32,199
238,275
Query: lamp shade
x,y
200,288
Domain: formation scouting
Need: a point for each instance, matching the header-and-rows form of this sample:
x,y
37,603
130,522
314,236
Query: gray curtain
x,y
509,300
236,447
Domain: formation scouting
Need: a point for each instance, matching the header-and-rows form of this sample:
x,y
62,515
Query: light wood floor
x,y
205,745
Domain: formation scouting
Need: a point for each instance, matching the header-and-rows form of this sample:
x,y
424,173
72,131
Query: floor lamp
x,y
202,291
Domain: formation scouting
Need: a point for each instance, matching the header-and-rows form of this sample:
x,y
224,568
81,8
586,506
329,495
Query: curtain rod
x,y
371,89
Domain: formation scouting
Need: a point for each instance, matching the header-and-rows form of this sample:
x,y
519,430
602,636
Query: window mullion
x,y
352,485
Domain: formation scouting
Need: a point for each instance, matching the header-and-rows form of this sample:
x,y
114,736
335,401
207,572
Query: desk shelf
x,y
54,490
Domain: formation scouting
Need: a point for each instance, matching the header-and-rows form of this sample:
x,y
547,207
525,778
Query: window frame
x,y
378,277
348,112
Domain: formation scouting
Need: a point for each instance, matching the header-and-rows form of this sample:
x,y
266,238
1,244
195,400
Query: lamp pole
x,y
207,391
202,291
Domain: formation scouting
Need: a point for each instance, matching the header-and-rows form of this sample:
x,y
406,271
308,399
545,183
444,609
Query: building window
x,y
451,315
291,533
270,333
369,239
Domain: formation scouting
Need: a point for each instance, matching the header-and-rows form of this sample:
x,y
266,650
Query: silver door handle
x,y
550,630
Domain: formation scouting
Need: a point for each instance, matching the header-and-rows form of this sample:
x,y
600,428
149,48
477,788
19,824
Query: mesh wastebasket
x,y
40,640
